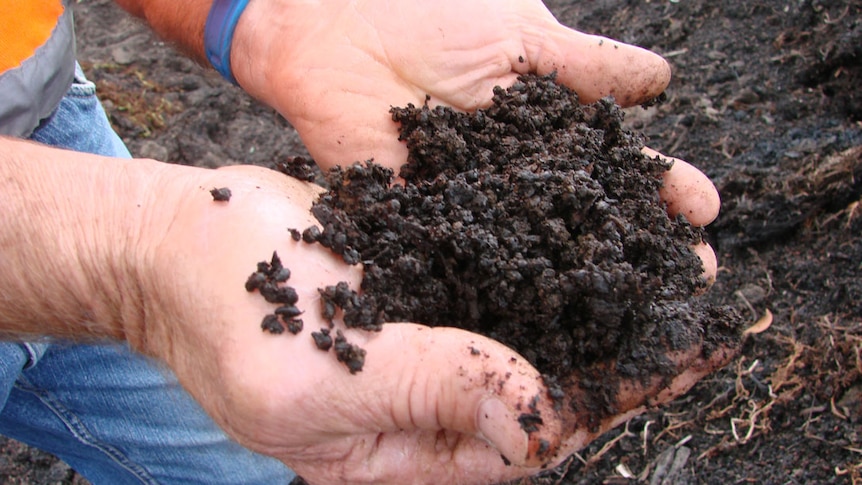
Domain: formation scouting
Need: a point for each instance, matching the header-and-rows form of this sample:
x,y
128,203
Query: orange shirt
x,y
25,25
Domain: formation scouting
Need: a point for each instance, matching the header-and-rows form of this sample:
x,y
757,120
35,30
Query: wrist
x,y
268,35
249,46
218,34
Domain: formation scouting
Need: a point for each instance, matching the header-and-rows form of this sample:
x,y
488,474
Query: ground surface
x,y
765,100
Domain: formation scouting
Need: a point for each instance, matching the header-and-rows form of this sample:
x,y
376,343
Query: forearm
x,y
183,23
68,242
180,22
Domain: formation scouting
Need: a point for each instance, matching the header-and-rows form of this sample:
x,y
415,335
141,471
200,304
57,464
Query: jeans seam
x,y
81,86
80,431
82,90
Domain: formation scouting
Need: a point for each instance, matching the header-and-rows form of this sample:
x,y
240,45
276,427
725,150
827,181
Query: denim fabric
x,y
79,123
115,416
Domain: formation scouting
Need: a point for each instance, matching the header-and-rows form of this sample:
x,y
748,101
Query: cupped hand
x,y
335,68
431,405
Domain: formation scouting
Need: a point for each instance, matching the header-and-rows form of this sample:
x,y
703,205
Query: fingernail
x,y
499,427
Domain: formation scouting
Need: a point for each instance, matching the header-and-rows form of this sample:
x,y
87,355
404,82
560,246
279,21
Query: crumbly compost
x,y
269,279
537,222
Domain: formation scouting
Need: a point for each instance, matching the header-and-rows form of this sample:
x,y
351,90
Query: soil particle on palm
x,y
322,339
221,194
350,354
537,222
272,324
269,279
358,311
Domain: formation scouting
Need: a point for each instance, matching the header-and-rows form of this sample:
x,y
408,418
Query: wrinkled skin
x,y
423,409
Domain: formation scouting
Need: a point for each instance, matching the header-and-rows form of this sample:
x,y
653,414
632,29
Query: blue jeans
x,y
113,415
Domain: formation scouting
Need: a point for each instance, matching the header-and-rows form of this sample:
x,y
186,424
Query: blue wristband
x,y
218,34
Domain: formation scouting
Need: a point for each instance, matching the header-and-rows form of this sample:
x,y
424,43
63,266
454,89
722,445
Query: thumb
x,y
448,379
596,66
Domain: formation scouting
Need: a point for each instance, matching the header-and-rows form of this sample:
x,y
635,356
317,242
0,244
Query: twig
x,y
610,444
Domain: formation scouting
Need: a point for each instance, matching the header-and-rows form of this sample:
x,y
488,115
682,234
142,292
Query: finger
x,y
596,66
454,380
635,398
710,262
688,191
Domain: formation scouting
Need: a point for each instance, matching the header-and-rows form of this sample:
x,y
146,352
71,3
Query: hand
x,y
147,256
417,409
425,408
335,68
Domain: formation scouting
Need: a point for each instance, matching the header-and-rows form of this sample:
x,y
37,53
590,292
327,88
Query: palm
x,y
279,394
395,422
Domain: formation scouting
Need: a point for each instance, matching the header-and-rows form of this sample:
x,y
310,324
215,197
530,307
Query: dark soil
x,y
221,194
765,99
269,280
537,222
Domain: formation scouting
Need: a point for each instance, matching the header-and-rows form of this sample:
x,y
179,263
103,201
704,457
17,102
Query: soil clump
x,y
537,222
221,194
269,279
